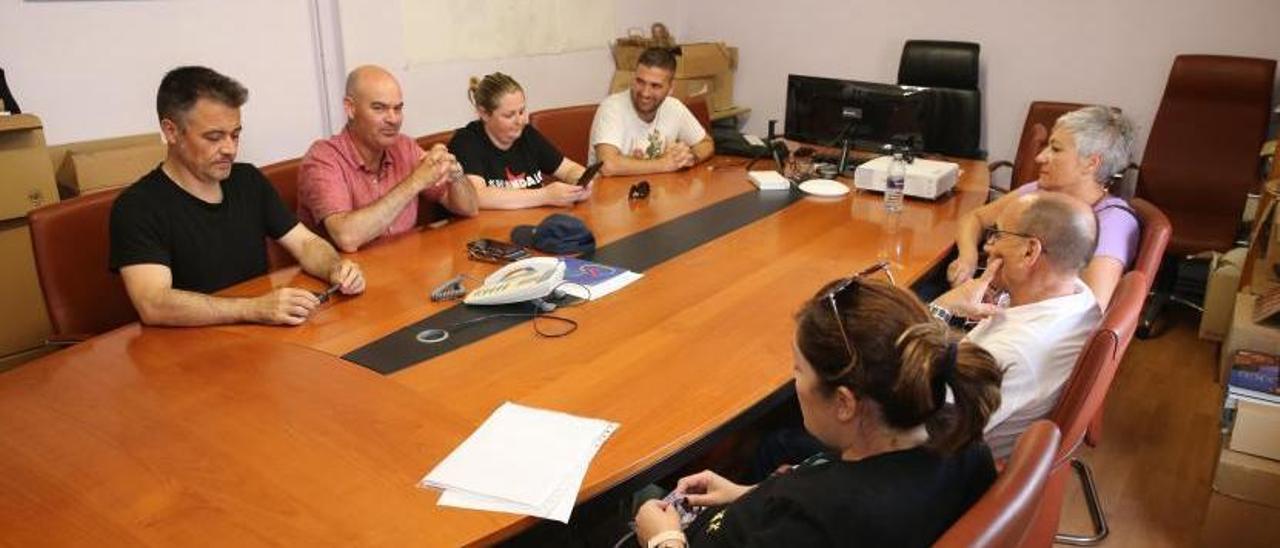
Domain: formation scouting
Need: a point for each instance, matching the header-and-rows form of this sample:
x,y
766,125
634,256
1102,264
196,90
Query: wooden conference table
x,y
252,435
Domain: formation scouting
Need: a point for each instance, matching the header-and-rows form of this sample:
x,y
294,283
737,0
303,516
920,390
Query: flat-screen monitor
x,y
825,110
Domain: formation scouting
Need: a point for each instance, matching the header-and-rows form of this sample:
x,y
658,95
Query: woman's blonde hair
x,y
484,93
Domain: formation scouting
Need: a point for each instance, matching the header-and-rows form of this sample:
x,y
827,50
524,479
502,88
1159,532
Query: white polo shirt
x,y
1036,345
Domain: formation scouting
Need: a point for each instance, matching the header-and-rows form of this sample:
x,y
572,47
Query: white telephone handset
x,y
523,280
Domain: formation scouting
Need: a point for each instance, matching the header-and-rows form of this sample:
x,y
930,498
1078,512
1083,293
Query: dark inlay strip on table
x,y
638,252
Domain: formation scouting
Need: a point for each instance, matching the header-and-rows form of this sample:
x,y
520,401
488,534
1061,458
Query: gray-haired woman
x,y
1086,149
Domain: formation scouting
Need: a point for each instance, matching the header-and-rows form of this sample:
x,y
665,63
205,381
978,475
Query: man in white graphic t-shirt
x,y
644,130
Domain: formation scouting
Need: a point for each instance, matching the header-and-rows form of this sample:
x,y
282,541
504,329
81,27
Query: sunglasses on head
x,y
638,191
848,285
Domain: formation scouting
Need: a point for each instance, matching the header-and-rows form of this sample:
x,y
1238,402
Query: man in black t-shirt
x,y
196,224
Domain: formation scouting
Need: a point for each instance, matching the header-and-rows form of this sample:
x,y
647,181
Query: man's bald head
x,y
374,105
365,77
1066,227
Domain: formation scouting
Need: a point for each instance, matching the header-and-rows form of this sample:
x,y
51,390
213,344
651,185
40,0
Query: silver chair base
x,y
1094,504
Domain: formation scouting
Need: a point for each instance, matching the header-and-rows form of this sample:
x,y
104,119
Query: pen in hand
x,y
324,296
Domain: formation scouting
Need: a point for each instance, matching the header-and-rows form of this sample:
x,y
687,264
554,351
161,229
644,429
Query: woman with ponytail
x,y
872,368
508,161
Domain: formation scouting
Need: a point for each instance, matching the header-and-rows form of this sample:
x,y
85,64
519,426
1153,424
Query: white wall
x,y
436,94
1088,51
90,69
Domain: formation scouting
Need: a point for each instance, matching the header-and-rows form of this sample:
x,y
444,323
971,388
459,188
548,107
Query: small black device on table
x,y
495,251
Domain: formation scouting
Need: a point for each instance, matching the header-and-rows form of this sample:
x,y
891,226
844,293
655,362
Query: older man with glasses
x,y
1036,253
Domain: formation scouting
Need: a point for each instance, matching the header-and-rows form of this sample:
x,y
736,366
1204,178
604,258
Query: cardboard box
x,y
1233,522
704,59
693,60
683,88
1247,477
1220,293
1256,431
26,321
26,178
105,163
1264,244
721,98
1244,334
625,56
1245,503
705,67
1272,256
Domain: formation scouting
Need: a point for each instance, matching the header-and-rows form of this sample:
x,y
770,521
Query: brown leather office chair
x,y
701,110
568,128
1201,158
1002,517
1155,238
71,241
284,177
1079,403
1041,116
1156,231
430,140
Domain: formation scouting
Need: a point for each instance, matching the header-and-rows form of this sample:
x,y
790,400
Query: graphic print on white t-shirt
x,y
649,146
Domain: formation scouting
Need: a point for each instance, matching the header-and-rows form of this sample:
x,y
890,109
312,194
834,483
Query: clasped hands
x,y
439,167
678,156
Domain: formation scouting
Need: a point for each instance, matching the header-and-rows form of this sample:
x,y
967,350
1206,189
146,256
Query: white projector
x,y
926,179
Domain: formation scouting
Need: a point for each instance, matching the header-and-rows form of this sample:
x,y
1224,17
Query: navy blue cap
x,y
558,234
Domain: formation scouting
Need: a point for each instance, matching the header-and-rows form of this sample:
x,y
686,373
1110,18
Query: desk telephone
x,y
523,280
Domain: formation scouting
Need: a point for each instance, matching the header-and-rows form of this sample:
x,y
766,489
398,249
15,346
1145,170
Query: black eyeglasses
x,y
995,234
847,285
638,191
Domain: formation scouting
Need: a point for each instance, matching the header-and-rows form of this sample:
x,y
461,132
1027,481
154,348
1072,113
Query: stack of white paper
x,y
769,180
522,460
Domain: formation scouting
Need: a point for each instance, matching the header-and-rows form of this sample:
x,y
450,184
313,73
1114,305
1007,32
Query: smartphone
x,y
495,251
589,174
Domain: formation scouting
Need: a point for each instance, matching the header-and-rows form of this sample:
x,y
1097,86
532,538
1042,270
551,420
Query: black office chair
x,y
951,70
10,104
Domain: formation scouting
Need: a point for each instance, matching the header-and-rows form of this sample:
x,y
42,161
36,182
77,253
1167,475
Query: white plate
x,y
824,187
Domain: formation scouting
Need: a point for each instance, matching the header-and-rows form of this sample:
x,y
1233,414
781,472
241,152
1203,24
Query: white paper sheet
x,y
521,460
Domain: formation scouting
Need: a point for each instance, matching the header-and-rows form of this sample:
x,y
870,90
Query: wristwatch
x,y
941,313
668,539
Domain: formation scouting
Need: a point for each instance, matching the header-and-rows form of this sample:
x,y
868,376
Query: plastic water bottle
x,y
895,182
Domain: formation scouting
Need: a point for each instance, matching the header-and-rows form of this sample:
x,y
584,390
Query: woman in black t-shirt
x,y
508,161
871,368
